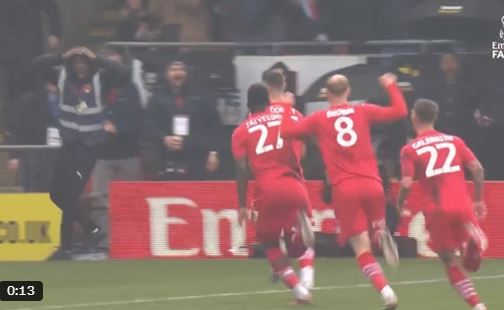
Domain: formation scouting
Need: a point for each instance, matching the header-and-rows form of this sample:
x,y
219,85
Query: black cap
x,y
257,96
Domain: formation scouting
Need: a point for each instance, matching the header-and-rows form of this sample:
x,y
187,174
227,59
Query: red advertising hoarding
x,y
200,220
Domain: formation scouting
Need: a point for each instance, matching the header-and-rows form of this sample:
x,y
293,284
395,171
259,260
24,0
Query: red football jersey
x,y
437,160
269,156
344,138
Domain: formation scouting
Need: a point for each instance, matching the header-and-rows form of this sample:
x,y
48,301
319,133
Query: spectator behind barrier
x,y
21,34
137,23
190,15
454,92
35,115
248,20
123,119
181,128
118,159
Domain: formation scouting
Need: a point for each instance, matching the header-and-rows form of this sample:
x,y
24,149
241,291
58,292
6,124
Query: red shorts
x,y
447,230
359,205
278,204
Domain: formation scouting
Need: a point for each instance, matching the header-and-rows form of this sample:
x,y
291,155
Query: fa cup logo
x,y
498,46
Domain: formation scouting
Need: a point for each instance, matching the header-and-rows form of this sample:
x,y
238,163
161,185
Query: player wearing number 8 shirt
x,y
438,161
280,192
344,139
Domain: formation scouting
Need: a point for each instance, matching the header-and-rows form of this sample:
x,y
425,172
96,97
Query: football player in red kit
x,y
276,83
344,139
280,192
438,161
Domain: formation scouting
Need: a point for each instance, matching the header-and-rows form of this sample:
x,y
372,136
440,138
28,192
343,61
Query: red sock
x,y
307,259
289,277
463,285
280,265
372,270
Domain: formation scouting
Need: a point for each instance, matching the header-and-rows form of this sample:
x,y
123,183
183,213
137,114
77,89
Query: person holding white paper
x,y
181,128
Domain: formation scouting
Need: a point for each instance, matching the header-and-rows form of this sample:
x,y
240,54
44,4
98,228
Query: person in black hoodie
x,y
82,83
181,128
118,159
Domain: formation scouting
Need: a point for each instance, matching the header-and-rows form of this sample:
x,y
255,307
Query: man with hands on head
x,y
82,83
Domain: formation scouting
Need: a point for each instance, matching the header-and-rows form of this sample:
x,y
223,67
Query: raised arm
x,y
477,171
303,128
397,109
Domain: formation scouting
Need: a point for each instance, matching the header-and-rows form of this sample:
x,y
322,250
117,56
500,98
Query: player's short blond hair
x,y
426,110
337,85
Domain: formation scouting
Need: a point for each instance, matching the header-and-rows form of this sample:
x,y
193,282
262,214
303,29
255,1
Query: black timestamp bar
x,y
21,290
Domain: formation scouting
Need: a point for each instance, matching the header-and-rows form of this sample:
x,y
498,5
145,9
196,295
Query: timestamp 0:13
x,y
21,290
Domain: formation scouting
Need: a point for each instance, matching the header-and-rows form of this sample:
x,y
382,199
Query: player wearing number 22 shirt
x,y
280,193
438,160
344,139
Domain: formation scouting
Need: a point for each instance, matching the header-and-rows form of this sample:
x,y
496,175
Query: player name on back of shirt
x,y
340,112
430,140
264,118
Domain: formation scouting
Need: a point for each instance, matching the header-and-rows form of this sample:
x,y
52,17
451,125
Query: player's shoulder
x,y
451,138
239,130
407,148
458,139
362,105
320,113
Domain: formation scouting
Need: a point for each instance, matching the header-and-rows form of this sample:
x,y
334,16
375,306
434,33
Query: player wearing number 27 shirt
x,y
344,139
438,160
280,193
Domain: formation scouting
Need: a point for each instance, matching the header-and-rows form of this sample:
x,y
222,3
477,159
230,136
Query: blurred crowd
x,y
173,130
261,20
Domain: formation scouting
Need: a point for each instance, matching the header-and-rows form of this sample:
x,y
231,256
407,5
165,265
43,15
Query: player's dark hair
x,y
426,110
176,63
274,78
257,97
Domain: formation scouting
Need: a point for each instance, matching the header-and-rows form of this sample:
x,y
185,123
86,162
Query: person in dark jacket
x,y
455,91
118,160
82,83
137,24
34,115
21,34
181,127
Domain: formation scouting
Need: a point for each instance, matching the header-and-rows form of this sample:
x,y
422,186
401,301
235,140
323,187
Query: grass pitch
x,y
237,284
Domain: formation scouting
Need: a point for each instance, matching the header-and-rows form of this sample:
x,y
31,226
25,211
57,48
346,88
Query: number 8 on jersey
x,y
346,136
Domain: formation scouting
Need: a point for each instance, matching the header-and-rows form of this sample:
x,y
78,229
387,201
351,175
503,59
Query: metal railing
x,y
35,165
17,148
421,46
285,44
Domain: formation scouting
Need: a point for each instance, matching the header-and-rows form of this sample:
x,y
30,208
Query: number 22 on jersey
x,y
262,147
433,151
